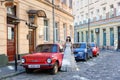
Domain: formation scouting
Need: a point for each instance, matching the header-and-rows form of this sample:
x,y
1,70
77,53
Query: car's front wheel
x,y
55,68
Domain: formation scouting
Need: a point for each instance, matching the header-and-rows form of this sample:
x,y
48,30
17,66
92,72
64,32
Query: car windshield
x,y
76,45
47,48
92,45
79,45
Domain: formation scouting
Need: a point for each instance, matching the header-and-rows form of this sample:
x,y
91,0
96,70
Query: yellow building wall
x,y
60,17
3,30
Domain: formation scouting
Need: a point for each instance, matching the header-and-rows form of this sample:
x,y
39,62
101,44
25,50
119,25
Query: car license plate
x,y
33,66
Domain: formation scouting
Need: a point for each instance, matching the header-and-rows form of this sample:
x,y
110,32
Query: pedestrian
x,y
68,62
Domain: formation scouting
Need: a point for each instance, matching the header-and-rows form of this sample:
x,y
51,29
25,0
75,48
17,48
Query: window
x,y
81,2
82,35
64,28
11,33
86,17
104,13
78,37
82,19
91,19
104,37
92,36
111,6
56,34
111,11
11,10
111,37
118,9
46,30
97,15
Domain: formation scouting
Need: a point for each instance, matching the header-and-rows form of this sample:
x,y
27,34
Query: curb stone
x,y
11,75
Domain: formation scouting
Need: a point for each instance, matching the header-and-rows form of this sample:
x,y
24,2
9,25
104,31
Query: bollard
x,y
15,62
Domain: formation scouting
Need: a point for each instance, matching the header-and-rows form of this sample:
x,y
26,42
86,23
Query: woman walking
x,y
68,63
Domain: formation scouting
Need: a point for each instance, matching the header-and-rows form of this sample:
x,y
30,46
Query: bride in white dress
x,y
68,63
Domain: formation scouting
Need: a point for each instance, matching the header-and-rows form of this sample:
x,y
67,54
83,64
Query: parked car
x,y
46,56
82,51
95,49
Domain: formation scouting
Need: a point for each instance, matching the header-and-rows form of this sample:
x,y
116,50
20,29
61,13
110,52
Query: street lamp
x,y
88,24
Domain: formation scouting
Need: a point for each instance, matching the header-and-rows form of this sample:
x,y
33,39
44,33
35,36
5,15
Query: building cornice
x,y
55,6
100,22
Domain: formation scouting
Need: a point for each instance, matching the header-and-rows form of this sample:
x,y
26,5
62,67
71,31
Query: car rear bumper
x,y
94,53
79,57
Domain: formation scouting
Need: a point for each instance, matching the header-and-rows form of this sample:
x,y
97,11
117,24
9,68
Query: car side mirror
x,y
88,47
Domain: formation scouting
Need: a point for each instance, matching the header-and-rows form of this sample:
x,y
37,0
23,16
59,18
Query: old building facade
x,y
98,21
28,23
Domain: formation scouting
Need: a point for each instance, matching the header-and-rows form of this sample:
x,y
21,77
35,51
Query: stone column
x,y
101,37
94,35
115,37
108,37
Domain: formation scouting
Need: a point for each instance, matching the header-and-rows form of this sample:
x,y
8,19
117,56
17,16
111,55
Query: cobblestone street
x,y
104,67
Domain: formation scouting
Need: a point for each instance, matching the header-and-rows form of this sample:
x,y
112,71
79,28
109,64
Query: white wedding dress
x,y
68,63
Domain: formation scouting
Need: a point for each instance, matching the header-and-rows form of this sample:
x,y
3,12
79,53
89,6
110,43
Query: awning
x,y
39,13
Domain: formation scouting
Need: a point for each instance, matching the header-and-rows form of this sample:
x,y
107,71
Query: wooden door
x,y
11,36
31,40
118,37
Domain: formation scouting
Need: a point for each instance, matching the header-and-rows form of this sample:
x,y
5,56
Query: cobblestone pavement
x,y
104,67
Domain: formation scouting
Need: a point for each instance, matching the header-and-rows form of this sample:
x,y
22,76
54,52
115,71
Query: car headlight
x,y
23,60
49,60
85,50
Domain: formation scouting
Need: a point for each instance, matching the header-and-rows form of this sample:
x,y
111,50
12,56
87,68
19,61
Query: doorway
x,y
11,39
31,40
118,37
104,37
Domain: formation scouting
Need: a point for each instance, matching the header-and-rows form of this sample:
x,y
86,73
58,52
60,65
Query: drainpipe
x,y
88,23
53,14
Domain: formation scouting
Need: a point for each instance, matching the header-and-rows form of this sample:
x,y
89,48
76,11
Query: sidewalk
x,y
9,70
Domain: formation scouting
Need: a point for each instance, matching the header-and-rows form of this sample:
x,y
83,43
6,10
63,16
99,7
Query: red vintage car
x,y
95,49
46,56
